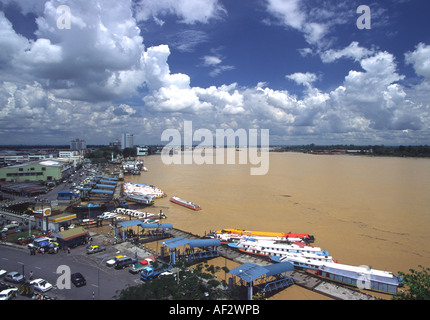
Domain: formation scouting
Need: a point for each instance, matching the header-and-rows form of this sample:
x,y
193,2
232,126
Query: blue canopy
x,y
175,242
109,178
109,186
108,181
130,223
204,243
101,191
278,268
249,271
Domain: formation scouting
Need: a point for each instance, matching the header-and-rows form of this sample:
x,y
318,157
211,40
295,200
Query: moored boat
x,y
304,236
270,248
362,277
140,199
226,238
184,203
136,189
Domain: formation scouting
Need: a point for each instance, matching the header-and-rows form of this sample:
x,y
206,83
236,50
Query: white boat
x,y
305,260
134,213
270,248
134,189
226,238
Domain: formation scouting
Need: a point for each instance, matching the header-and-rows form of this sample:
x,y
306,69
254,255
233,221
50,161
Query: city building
x,y
78,144
116,143
141,151
42,170
126,141
11,159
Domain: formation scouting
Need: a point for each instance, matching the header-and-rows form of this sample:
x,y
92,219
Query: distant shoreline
x,y
378,151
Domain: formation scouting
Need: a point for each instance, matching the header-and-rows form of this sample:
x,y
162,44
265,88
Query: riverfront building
x,y
43,170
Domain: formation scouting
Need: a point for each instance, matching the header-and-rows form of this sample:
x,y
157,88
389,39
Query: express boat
x,y
185,203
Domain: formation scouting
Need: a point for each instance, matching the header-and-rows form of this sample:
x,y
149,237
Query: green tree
x,y
417,285
183,284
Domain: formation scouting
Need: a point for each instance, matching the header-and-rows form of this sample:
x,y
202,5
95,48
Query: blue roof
x,y
108,181
278,268
249,271
130,223
101,191
109,186
156,225
175,242
204,243
179,241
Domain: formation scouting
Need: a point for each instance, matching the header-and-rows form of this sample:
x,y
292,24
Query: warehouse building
x,y
42,170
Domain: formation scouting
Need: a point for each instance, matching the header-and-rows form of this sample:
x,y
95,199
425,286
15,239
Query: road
x,y
102,281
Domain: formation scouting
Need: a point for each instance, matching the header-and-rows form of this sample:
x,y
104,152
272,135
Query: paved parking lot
x,y
103,282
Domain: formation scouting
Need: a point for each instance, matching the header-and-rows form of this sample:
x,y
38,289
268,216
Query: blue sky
x,y
300,68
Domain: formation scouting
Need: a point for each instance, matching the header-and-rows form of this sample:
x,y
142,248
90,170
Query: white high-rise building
x,y
126,141
78,144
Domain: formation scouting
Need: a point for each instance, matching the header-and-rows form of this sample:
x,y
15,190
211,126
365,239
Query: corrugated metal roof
x,y
108,182
109,186
204,243
156,225
249,271
108,178
175,242
131,223
101,191
278,268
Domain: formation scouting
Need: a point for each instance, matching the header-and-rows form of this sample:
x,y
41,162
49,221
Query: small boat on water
x,y
184,203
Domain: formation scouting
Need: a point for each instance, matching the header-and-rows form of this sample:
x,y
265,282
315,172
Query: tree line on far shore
x,y
373,150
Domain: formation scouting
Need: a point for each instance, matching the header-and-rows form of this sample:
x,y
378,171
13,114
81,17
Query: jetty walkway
x,y
301,279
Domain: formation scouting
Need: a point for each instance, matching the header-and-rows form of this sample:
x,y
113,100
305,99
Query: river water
x,y
362,210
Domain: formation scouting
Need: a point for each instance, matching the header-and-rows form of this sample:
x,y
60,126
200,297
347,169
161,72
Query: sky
x,y
310,71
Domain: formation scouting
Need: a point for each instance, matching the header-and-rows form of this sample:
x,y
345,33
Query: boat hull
x,y
185,204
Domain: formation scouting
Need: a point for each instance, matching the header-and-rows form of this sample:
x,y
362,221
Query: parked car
x,y
8,294
112,262
95,249
14,277
78,279
2,273
41,285
124,262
